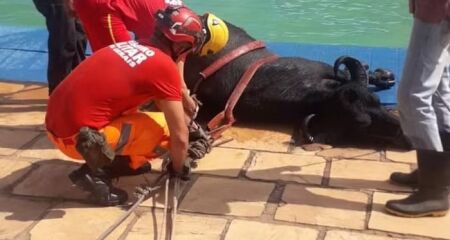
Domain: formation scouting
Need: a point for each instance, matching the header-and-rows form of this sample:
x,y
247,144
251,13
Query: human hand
x,y
429,11
412,6
69,8
190,104
183,172
447,10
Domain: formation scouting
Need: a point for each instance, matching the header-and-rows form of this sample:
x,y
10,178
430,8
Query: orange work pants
x,y
137,135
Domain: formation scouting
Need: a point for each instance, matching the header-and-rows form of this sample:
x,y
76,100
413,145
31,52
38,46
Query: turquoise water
x,y
381,23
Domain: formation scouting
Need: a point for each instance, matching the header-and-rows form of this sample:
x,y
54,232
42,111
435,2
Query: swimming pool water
x,y
381,23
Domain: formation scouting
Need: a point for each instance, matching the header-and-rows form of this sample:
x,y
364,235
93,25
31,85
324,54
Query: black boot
x,y
121,167
412,179
99,185
405,179
431,199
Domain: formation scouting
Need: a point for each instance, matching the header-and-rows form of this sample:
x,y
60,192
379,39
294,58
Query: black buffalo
x,y
322,103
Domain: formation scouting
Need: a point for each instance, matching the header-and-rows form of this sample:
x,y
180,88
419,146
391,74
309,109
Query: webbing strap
x,y
220,62
243,82
225,118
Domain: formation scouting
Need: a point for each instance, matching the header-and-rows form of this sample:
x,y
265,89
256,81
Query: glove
x,y
200,142
185,174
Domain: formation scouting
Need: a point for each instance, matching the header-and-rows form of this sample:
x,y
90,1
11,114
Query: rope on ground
x,y
166,206
144,192
147,191
176,188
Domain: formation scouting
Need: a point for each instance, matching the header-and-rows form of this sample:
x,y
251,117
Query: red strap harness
x,y
225,119
219,63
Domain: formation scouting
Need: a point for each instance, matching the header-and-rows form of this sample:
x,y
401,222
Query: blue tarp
x,y
23,56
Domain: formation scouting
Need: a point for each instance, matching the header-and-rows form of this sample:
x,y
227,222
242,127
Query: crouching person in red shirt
x,y
93,114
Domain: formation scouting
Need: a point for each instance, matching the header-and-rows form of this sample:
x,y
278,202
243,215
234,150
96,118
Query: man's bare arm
x,y
174,114
189,105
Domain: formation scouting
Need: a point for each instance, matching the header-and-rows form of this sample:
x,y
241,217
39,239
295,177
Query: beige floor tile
x,y
227,196
12,170
28,120
223,162
275,139
10,87
241,229
310,149
365,174
344,235
322,206
16,215
12,139
405,157
186,227
436,227
22,107
74,221
44,149
287,167
31,92
356,153
50,179
376,156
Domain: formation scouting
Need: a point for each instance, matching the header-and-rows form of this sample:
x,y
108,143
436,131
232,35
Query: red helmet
x,y
181,24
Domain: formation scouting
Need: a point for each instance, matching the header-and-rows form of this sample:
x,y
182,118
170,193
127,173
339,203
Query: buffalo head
x,y
353,114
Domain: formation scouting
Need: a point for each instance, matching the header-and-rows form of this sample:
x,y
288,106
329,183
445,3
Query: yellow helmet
x,y
217,35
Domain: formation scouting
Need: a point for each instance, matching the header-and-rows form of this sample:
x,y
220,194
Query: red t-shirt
x,y
108,21
112,81
139,15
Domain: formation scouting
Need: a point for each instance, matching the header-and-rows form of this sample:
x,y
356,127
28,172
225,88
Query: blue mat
x,y
23,56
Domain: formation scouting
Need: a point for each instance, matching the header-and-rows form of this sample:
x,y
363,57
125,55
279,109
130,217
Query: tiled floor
x,y
255,187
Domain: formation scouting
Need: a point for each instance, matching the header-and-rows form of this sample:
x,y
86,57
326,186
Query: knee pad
x,y
92,145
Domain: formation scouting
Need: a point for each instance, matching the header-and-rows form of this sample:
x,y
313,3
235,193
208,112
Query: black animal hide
x,y
290,89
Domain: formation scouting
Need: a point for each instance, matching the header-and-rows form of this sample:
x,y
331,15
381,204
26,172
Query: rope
x,y
166,205
148,191
199,148
176,188
144,194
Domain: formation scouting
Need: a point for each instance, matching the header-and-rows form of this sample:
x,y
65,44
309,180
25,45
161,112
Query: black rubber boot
x,y
121,167
99,185
412,179
431,199
405,179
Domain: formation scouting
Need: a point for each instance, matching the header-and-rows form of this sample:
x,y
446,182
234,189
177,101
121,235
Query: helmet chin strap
x,y
168,47
180,54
